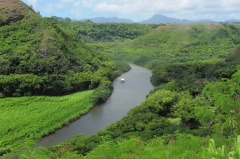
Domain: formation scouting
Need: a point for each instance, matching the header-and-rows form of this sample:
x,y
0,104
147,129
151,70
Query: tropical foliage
x,y
53,61
30,118
193,112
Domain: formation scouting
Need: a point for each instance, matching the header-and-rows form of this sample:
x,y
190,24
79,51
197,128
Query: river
x,y
125,96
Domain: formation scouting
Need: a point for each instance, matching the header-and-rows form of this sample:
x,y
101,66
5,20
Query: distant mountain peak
x,y
159,18
155,19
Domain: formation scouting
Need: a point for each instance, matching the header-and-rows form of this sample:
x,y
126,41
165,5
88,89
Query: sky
x,y
138,10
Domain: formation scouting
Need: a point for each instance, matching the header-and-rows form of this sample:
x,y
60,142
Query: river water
x,y
125,96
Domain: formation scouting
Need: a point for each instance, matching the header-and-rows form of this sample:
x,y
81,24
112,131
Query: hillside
x,y
13,10
40,58
180,43
158,43
92,32
193,111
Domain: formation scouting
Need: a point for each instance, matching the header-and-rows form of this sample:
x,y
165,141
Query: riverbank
x,y
31,118
125,96
34,117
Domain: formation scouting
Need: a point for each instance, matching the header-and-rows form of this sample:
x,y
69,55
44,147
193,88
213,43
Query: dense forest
x,y
193,112
152,44
39,58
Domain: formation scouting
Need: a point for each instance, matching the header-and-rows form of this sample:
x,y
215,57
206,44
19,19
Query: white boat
x,y
122,79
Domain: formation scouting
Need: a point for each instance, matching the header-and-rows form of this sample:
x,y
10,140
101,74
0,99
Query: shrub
x,y
102,93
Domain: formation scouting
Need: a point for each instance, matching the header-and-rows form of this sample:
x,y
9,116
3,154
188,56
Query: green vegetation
x,y
39,58
182,43
33,117
180,146
193,112
152,44
54,61
208,127
105,32
191,76
171,43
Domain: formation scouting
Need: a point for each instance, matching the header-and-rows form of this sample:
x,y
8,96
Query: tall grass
x,y
34,117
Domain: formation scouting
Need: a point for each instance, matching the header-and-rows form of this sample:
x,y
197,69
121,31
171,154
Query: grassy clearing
x,y
33,117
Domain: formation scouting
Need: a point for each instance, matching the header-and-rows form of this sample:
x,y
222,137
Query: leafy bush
x,y
122,67
191,76
102,93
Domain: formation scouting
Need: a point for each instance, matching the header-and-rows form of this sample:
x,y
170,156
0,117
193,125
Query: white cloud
x,y
140,9
137,8
49,8
33,2
67,1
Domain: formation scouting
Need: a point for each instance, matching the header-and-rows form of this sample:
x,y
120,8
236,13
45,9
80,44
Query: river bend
x,y
125,96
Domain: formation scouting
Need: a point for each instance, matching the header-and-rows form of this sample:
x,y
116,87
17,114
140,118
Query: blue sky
x,y
138,10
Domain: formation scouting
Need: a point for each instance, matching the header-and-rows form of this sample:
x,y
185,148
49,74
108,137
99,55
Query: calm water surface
x,y
125,96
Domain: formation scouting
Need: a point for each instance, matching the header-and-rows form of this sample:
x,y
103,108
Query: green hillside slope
x,y
105,32
193,112
180,43
159,43
37,57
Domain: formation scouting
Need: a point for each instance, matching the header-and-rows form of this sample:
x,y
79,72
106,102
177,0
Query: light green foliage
x,y
191,76
105,32
34,117
160,102
182,146
178,146
224,100
185,107
202,116
212,151
172,43
193,113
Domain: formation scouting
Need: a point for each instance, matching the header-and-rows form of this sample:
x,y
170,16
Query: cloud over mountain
x,y
140,9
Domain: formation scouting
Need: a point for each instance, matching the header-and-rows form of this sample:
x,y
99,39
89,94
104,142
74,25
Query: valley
x,y
52,72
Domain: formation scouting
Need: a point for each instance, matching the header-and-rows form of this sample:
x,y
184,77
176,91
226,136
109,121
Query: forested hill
x,y
148,44
170,43
37,57
13,11
105,32
194,110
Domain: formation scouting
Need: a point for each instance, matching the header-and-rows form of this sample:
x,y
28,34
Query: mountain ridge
x,y
155,19
158,18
